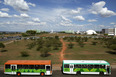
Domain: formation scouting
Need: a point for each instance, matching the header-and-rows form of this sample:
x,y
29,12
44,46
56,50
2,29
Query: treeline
x,y
32,33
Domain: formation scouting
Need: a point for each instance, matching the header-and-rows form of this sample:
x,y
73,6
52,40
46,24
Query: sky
x,y
57,15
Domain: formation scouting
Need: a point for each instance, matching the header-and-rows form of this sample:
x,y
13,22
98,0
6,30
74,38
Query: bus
x,y
28,67
86,67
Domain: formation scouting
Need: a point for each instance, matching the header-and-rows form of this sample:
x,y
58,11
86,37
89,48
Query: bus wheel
x,y
101,73
78,72
42,74
18,73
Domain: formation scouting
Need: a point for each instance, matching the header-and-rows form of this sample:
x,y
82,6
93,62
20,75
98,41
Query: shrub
x,y
81,44
70,46
94,42
24,54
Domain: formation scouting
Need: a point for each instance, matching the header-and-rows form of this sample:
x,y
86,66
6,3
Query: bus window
x,y
90,66
47,68
41,66
77,66
96,66
19,66
25,66
7,66
31,67
84,66
102,66
36,66
66,65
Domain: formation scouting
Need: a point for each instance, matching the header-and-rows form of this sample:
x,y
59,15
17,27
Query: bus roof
x,y
29,62
85,62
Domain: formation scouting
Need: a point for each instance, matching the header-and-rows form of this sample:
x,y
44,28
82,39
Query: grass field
x,y
15,48
90,52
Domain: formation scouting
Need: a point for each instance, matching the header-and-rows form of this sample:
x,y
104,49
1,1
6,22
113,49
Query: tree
x,y
81,44
94,42
24,54
113,47
70,45
57,37
55,47
24,34
31,32
2,46
44,51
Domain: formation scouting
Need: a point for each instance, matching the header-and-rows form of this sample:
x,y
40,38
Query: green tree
x,y
55,47
24,54
81,43
2,46
70,45
44,51
24,34
94,42
113,47
31,32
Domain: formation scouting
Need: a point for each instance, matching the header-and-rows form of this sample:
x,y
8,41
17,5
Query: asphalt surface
x,y
58,73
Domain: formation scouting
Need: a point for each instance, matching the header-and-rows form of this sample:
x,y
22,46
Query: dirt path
x,y
63,49
8,42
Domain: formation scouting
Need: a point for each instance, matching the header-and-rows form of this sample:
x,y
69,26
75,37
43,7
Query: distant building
x,y
110,31
70,31
90,32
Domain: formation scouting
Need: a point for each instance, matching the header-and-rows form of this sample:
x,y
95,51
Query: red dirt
x,y
63,49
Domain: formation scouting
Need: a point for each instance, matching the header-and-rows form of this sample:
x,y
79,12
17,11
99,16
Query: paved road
x,y
59,74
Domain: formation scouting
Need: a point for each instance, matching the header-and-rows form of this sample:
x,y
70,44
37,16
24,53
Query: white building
x,y
90,32
109,31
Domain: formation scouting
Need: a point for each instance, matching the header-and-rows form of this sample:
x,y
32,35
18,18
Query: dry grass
x,y
15,48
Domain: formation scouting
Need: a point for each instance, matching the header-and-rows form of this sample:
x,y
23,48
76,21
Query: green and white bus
x,y
28,67
86,67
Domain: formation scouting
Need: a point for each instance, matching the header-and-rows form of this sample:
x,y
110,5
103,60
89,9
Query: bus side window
x,y
96,66
41,66
36,66
25,66
102,66
84,66
31,66
77,66
7,66
19,66
66,65
90,66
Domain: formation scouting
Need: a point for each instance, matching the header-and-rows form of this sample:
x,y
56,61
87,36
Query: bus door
x,y
13,68
71,68
48,69
108,69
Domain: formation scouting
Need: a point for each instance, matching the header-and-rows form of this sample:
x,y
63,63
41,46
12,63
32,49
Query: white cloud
x,y
0,1
4,14
79,18
19,5
35,19
76,11
65,19
98,8
4,9
16,15
24,15
92,20
112,23
31,4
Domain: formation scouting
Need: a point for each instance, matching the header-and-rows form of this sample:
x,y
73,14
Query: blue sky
x,y
57,15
